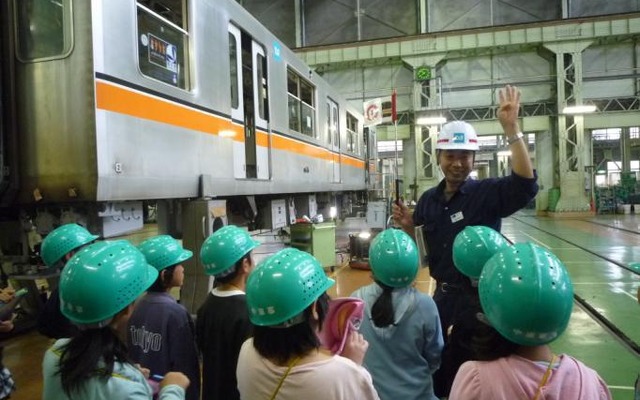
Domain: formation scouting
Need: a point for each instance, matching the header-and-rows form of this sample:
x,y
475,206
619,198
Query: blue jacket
x,y
402,357
126,382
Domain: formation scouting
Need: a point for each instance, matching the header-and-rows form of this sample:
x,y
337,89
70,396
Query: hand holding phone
x,y
7,309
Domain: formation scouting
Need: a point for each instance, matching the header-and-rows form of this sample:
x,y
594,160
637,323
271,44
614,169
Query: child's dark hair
x,y
488,344
236,270
382,312
163,282
89,354
281,344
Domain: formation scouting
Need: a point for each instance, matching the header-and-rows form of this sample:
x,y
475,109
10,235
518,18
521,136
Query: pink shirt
x,y
336,378
515,377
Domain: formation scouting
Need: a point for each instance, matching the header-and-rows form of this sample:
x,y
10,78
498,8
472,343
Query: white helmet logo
x,y
457,135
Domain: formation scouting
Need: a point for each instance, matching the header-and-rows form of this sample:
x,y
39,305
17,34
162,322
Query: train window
x,y
352,134
332,123
336,125
261,65
43,29
329,133
301,104
163,40
233,63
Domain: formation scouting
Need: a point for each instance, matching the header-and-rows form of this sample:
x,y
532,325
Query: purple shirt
x,y
161,337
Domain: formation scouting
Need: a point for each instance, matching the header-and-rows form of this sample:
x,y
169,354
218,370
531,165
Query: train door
x,y
249,101
237,100
333,126
261,112
249,107
371,153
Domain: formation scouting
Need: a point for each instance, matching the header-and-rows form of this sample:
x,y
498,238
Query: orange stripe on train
x,y
123,101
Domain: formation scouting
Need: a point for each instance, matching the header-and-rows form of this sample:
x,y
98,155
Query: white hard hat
x,y
457,135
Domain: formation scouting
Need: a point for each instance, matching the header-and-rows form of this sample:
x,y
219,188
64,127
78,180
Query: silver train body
x,y
108,102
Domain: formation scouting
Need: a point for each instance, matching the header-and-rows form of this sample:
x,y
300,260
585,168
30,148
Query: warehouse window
x,y
163,40
301,105
43,29
352,134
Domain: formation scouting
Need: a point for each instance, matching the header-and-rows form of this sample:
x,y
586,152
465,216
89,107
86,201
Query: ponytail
x,y
382,312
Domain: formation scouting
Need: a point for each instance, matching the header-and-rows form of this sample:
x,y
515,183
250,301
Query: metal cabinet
x,y
317,239
274,214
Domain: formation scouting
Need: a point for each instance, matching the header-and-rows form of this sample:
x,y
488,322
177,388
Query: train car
x,y
107,105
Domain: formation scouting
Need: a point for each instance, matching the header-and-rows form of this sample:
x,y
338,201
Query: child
x,y
527,297
97,290
287,305
57,248
161,332
472,248
401,324
223,320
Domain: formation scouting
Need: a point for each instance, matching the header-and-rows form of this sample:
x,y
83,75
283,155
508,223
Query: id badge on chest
x,y
456,217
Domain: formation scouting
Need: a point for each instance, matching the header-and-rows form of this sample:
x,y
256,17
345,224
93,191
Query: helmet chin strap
x,y
298,319
112,321
95,325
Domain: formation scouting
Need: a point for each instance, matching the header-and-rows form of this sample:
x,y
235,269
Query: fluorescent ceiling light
x,y
431,120
579,109
505,153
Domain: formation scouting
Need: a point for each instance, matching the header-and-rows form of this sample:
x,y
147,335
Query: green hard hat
x,y
393,257
224,248
283,286
101,280
62,240
526,294
164,251
474,246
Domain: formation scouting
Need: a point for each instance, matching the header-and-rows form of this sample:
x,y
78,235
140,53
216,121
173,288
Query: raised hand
x,y
509,108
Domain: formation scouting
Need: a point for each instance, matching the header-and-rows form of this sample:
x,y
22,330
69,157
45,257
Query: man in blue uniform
x,y
445,210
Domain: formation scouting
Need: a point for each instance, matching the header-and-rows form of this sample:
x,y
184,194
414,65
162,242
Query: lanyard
x,y
545,377
291,364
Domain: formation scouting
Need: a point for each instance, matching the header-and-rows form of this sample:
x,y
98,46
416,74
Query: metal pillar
x,y
625,149
426,96
571,139
300,29
503,163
